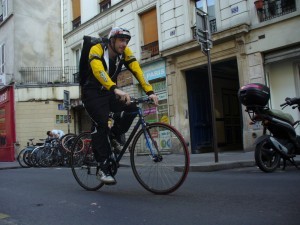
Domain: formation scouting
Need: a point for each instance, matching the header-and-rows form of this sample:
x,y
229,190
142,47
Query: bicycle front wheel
x,y
159,158
83,163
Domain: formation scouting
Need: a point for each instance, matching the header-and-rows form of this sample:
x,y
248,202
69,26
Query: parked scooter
x,y
279,139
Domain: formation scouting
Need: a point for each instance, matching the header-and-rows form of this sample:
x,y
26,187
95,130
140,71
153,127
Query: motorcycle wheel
x,y
266,158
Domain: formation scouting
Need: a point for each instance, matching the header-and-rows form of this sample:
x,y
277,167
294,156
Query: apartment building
x,y
32,79
251,43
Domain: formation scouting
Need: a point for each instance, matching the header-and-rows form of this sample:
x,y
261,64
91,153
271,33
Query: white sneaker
x,y
104,175
106,178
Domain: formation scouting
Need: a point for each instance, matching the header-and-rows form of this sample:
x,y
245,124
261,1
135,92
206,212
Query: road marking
x,y
3,216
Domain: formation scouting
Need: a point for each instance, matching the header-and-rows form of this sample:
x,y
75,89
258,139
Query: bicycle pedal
x,y
111,184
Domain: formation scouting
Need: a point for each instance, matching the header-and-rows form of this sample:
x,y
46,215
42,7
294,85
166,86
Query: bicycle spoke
x,y
160,163
83,163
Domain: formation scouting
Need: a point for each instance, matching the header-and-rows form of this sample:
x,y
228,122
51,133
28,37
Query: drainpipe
x,y
62,38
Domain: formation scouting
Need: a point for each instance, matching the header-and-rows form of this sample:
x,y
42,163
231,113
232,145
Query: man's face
x,y
120,44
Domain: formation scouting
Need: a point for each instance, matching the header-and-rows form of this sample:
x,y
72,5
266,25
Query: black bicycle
x,y
158,156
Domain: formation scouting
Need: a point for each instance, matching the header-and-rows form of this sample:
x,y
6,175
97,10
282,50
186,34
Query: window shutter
x,y
76,8
149,23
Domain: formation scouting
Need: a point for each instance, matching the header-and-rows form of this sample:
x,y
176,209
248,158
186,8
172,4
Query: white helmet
x,y
118,32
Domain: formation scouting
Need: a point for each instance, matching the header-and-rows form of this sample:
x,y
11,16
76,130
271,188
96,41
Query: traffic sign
x,y
66,100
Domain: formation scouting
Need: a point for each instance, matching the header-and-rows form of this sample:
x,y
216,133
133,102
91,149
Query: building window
x,y
2,58
209,7
104,5
150,34
275,8
4,9
77,57
76,13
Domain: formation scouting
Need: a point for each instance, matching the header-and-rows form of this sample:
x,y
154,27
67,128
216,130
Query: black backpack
x,y
84,64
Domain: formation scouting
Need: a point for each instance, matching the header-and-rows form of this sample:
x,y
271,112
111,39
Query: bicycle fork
x,y
152,145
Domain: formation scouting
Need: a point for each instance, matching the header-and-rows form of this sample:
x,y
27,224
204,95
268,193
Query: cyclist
x,y
55,133
100,95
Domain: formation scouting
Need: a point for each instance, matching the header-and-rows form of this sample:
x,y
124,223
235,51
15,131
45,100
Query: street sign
x,y
66,100
203,31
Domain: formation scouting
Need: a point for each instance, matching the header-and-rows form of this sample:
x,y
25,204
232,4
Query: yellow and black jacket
x,y
101,75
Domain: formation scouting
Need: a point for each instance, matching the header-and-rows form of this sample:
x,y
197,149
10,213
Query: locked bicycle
x,y
158,155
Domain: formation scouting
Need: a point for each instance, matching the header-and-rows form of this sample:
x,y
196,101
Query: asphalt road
x,y
51,196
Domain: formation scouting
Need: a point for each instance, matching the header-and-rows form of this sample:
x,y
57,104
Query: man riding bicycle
x,y
100,95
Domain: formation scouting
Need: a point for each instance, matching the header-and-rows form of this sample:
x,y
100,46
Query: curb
x,y
11,167
221,166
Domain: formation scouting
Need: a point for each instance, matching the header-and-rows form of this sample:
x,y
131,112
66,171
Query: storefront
x,y
7,124
155,73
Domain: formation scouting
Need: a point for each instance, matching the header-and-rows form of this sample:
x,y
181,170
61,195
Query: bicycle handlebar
x,y
141,100
118,115
290,101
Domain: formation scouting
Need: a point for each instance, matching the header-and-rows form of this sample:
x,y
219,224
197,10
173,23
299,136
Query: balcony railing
x,y
77,22
150,50
104,5
48,75
212,26
275,8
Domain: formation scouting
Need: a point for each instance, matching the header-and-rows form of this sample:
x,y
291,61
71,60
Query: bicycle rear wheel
x,y
66,142
83,163
164,170
21,158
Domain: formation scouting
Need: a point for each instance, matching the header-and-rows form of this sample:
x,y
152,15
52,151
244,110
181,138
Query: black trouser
x,y
98,104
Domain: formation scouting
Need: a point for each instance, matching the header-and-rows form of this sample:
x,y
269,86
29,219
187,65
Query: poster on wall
x,y
7,125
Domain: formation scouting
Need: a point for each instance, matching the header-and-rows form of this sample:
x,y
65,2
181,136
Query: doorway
x,y
227,107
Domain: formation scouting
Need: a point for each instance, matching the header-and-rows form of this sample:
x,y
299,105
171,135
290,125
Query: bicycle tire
x,y
66,142
83,163
166,172
27,156
20,158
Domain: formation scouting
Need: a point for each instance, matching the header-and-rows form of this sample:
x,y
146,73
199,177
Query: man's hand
x,y
124,97
154,98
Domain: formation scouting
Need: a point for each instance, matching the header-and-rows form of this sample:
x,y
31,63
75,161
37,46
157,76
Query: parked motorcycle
x,y
279,139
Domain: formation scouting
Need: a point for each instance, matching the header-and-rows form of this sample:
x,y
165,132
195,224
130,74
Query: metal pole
x,y
68,115
212,106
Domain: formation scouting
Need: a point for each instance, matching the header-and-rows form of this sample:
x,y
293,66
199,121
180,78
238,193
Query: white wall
x,y
283,84
44,93
89,9
37,33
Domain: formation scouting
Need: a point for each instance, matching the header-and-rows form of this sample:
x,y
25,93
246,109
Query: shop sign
x,y
165,119
159,86
165,139
150,111
155,70
162,96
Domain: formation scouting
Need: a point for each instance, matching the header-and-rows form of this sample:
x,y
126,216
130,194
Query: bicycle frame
x,y
141,122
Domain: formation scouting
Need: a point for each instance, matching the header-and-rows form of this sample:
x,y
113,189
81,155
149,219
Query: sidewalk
x,y
203,162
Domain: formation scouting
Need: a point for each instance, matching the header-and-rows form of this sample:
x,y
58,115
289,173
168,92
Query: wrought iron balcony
x,y
150,50
212,26
275,8
48,75
77,22
104,5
